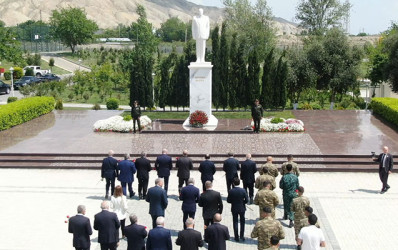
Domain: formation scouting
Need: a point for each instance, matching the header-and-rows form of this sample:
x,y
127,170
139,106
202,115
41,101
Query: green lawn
x,y
55,70
88,62
220,115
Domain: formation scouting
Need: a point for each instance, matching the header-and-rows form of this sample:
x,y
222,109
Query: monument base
x,y
210,126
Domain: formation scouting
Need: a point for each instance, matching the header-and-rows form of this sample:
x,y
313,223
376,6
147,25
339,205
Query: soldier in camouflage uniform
x,y
289,183
298,207
266,228
266,198
272,168
263,178
296,169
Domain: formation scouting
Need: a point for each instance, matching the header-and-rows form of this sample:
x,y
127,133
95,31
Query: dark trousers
x,y
384,178
154,217
186,216
181,183
166,182
249,186
108,246
142,186
229,183
242,224
137,120
110,182
79,248
208,222
256,124
130,185
122,225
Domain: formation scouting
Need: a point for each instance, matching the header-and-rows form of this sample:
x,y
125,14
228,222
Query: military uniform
x,y
266,198
272,169
289,184
298,207
264,230
295,169
262,178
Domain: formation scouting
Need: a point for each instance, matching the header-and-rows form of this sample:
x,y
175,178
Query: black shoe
x,y
291,224
242,238
299,247
388,187
285,217
106,197
236,239
251,200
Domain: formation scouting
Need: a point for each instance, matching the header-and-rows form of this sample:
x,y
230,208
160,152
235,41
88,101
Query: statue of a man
x,y
200,32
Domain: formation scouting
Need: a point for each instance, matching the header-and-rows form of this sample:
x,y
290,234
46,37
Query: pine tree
x,y
253,86
215,59
224,67
234,73
241,81
267,91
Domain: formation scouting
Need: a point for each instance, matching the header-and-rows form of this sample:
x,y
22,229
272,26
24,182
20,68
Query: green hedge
x,y
387,108
24,110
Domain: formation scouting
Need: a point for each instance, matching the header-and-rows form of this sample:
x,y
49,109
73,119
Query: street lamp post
x,y
12,81
153,88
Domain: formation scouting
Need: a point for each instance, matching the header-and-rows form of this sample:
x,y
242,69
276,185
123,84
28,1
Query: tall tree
x,y
224,67
72,27
253,81
390,68
215,59
233,83
142,32
241,75
280,78
10,49
267,91
320,15
174,30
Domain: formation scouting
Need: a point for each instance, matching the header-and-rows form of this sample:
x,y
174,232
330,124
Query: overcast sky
x,y
370,16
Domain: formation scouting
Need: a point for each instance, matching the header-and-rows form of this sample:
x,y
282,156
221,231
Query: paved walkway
x,y
352,213
63,62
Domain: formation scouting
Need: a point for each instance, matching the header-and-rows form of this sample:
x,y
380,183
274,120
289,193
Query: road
x,y
62,62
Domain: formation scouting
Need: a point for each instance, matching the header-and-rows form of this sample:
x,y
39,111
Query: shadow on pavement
x,y
366,191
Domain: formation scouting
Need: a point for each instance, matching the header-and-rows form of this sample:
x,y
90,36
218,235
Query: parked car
x,y
4,87
50,77
37,71
26,80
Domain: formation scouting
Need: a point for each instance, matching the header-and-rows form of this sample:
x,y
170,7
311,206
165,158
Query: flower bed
x,y
118,124
289,125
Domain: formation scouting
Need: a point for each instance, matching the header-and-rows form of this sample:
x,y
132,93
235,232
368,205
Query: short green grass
x,y
55,70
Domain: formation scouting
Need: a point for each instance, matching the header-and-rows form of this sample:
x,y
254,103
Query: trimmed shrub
x,y
276,120
24,110
18,72
7,75
59,105
386,108
127,118
29,72
112,104
12,99
96,107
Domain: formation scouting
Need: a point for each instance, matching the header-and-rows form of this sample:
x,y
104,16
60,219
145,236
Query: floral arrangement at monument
x,y
198,118
289,125
119,124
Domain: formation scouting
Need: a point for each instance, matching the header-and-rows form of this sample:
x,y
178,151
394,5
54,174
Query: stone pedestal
x,y
200,84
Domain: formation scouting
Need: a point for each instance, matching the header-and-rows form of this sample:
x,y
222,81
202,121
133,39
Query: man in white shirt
x,y
311,237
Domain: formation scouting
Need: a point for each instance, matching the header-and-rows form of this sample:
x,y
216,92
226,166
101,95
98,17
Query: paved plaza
x,y
353,215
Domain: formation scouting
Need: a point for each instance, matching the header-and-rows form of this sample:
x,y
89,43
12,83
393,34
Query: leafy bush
x,y
96,107
306,106
59,105
7,75
29,72
316,106
71,95
276,120
12,99
387,108
18,72
24,110
127,118
112,104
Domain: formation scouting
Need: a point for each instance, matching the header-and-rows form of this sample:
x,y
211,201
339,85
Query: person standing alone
x,y
257,114
386,163
136,114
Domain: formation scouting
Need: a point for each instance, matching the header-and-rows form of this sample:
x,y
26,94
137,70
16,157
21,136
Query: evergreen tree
x,y
234,73
215,59
267,91
189,56
280,79
224,67
241,80
253,82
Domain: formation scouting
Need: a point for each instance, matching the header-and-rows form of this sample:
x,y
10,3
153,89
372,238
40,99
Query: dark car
x,y
50,77
4,88
26,80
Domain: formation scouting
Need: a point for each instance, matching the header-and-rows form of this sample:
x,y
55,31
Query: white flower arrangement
x,y
289,125
117,124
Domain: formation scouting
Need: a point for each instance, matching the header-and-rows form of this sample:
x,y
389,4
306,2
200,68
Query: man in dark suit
x,y
386,164
211,202
107,225
183,165
159,238
207,169
238,199
216,234
157,199
109,172
189,196
80,227
189,239
247,171
126,175
143,166
135,234
163,165
230,167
